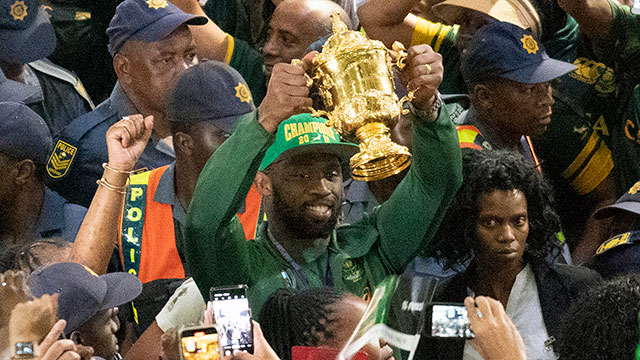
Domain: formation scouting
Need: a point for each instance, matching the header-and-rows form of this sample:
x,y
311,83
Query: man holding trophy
x,y
299,169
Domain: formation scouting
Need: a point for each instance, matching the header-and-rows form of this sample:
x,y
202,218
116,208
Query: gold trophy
x,y
354,78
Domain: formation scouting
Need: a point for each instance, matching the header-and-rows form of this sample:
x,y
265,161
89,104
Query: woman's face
x,y
502,226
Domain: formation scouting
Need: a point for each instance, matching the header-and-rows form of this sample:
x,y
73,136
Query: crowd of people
x,y
153,150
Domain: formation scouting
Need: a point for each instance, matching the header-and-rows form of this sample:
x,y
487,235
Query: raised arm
x,y
595,17
388,21
98,233
216,250
212,42
408,220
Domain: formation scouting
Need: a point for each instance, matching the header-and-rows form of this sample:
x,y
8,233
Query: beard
x,y
300,225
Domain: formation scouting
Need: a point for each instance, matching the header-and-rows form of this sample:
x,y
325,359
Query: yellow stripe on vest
x,y
467,136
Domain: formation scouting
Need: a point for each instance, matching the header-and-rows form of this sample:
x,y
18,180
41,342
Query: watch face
x,y
24,349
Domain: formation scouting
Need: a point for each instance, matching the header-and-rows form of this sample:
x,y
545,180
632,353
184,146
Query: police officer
x,y
620,255
204,106
508,73
151,45
30,211
26,39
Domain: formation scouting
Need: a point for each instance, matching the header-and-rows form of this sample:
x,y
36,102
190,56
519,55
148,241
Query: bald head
x,y
295,25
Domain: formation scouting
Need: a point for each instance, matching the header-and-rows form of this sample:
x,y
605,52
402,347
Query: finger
x,y
423,69
138,124
85,352
484,307
58,348
386,352
148,126
284,68
53,335
301,91
418,50
472,312
301,103
424,58
70,355
124,134
307,60
427,83
496,308
289,79
241,355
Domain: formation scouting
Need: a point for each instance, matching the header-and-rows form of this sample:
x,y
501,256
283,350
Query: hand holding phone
x,y
200,343
233,315
496,338
450,320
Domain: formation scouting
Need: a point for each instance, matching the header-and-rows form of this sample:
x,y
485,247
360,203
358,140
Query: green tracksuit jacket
x,y
359,255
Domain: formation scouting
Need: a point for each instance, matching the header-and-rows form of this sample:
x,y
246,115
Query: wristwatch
x,y
430,114
24,350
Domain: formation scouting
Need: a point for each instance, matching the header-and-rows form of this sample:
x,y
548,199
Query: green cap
x,y
305,133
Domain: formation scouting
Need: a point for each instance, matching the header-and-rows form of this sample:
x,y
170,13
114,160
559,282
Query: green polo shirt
x,y
358,256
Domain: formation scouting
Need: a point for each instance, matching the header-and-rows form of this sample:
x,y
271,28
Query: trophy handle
x,y
405,99
401,54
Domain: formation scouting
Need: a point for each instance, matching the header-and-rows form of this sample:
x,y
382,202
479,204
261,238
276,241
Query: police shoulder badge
x,y
19,10
60,159
530,44
243,93
157,4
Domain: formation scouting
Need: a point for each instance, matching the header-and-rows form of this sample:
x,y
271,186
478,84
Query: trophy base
x,y
379,157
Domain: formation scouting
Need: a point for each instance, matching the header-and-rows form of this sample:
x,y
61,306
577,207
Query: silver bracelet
x,y
430,114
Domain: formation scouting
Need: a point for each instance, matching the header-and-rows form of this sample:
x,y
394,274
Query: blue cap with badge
x,y
26,33
23,133
82,293
629,202
146,20
210,91
504,50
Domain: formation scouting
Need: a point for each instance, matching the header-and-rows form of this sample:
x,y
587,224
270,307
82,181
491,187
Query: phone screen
x,y
635,9
450,321
200,344
233,316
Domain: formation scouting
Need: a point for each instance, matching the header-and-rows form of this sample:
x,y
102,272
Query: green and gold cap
x,y
305,133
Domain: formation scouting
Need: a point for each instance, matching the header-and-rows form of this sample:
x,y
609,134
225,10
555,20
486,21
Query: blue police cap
x,y
630,202
23,133
26,33
81,292
146,20
210,91
618,255
504,50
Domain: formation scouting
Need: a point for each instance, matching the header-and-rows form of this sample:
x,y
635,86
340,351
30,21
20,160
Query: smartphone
x,y
635,9
233,315
200,343
450,320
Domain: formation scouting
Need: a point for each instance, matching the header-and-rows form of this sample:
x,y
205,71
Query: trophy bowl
x,y
354,78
